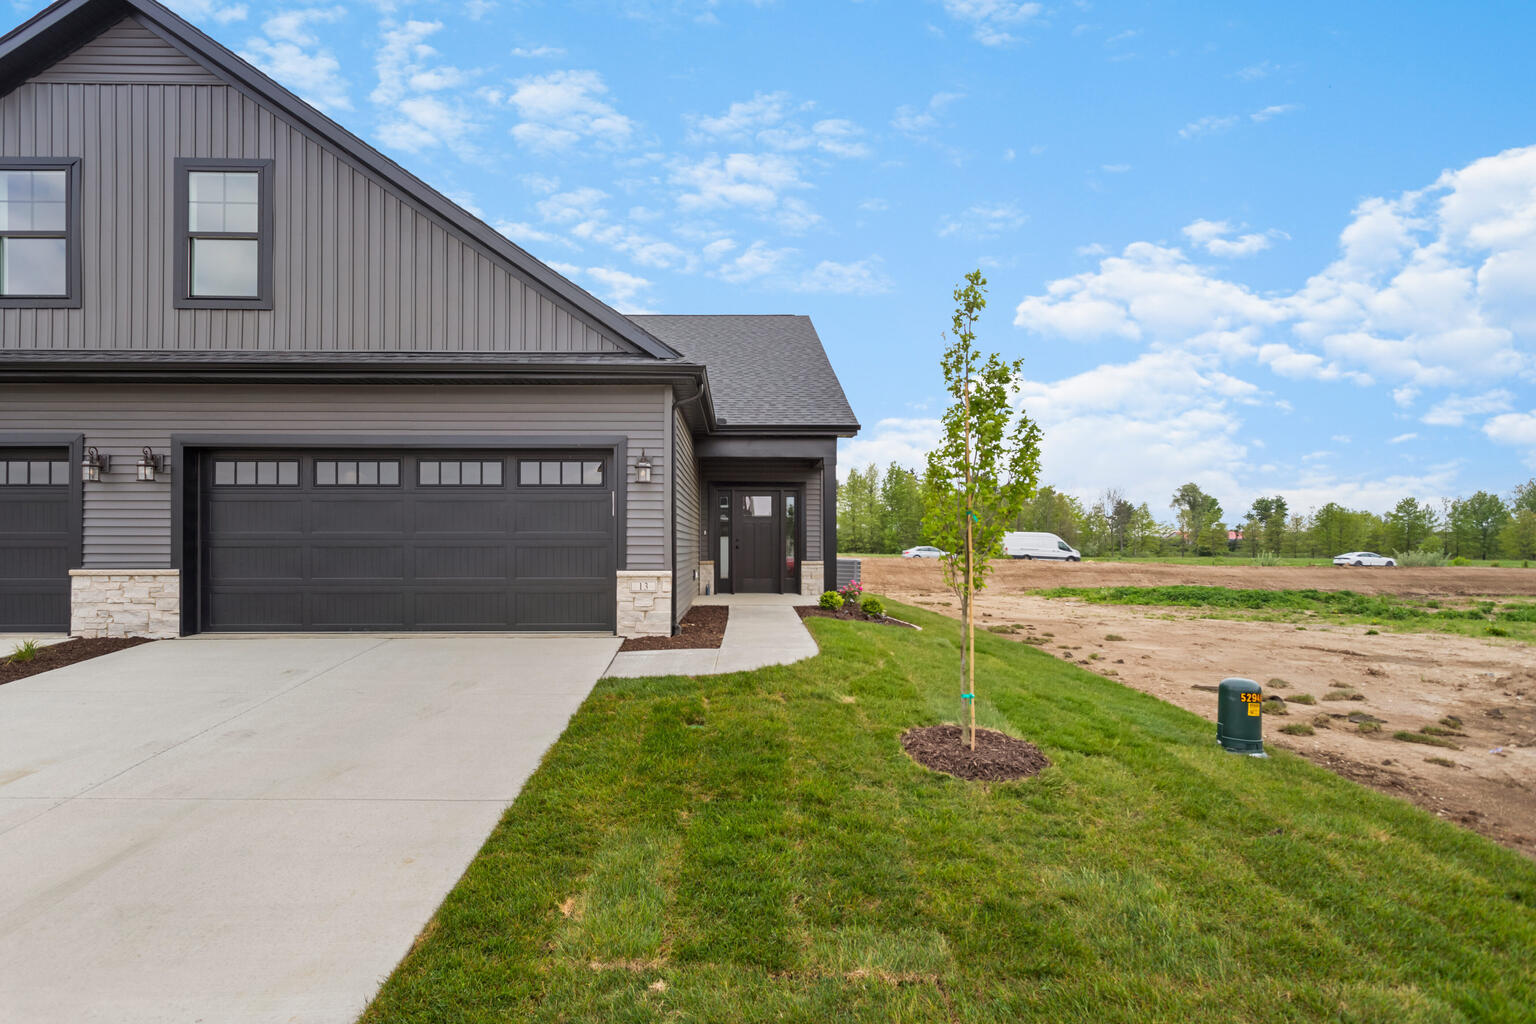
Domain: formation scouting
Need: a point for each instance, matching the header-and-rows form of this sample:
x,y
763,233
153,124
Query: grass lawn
x,y
1466,616
757,847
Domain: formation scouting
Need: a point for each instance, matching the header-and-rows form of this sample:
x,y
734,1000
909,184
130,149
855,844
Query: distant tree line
x,y
882,513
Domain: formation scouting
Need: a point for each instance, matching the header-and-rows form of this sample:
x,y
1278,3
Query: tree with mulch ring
x,y
702,628
995,757
68,652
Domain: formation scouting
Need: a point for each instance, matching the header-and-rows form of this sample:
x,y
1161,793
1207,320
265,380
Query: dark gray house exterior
x,y
255,376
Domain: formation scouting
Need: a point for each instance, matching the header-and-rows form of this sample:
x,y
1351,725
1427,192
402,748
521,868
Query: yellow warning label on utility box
x,y
1254,710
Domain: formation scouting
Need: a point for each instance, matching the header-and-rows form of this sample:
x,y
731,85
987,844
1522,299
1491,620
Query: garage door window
x,y
559,473
33,473
357,473
256,473
460,472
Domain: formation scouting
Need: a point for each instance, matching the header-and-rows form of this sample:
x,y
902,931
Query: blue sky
x,y
1283,250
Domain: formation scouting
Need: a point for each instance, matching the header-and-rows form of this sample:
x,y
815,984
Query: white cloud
x,y
862,277
208,10
757,261
983,220
291,53
478,9
584,216
1403,438
993,22
1268,113
905,442
1213,124
534,52
1115,168
1514,428
919,121
563,108
1422,294
1453,410
1211,235
414,118
616,287
526,234
753,181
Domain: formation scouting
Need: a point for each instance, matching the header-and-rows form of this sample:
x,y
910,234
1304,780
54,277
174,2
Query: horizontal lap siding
x,y
128,524
357,266
685,587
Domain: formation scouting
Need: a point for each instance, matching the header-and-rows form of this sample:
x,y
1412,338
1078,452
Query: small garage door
x,y
37,532
375,540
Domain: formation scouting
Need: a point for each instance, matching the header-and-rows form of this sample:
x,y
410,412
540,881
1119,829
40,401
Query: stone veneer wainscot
x,y
812,582
645,603
125,602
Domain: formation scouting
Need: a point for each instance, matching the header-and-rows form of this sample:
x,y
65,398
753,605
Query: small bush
x,y
1495,565
1278,684
851,591
1451,722
1496,631
1418,737
1297,729
1373,632
1340,695
1301,698
832,601
1369,726
1443,762
873,607
24,652
1113,636
1267,558
1273,706
1419,558
1461,561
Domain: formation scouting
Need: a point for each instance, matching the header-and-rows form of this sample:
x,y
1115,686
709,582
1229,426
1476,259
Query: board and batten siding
x,y
128,523
685,587
358,266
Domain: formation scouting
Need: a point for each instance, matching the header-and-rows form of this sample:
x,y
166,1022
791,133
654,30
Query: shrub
x,y
832,601
1302,698
1417,737
1495,565
1421,557
1496,631
1297,729
1461,560
873,607
1267,558
851,591
1369,727
25,651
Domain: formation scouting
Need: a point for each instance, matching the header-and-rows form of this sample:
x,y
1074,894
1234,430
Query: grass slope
x,y
1469,617
757,847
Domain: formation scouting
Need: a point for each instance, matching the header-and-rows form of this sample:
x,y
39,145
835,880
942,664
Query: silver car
x,y
1363,558
922,551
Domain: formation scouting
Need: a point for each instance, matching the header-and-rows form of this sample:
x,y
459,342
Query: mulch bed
x,y
703,627
847,613
65,653
997,757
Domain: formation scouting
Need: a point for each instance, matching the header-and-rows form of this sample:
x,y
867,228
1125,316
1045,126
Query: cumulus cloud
x,y
616,287
983,220
993,22
290,52
757,182
1213,237
415,116
208,10
1454,410
776,121
563,108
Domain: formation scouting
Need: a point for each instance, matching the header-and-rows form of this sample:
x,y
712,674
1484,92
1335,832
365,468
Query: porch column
x,y
829,518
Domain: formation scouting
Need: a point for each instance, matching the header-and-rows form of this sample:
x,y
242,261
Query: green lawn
x,y
1481,617
757,847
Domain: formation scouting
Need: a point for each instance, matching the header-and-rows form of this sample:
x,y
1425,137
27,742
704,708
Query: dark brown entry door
x,y
758,565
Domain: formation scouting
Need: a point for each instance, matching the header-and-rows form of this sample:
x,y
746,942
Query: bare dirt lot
x,y
1405,681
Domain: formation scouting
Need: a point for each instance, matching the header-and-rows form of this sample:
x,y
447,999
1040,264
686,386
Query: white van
x,y
1039,545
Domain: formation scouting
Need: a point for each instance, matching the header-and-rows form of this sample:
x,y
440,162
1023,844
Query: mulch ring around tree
x,y
65,653
997,757
702,627
848,613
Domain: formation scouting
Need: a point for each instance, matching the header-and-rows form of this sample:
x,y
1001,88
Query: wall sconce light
x,y
150,464
643,468
93,465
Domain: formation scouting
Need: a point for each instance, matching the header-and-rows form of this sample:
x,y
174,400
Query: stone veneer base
x,y
812,578
125,602
645,603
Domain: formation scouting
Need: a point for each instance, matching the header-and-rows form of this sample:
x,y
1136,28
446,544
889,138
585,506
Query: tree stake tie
x,y
967,696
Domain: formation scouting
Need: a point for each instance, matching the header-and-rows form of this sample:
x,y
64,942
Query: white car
x,y
922,551
1363,558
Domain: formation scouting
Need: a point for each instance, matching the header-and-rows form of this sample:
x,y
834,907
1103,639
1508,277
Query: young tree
x,y
1409,524
980,473
1477,520
1197,511
858,515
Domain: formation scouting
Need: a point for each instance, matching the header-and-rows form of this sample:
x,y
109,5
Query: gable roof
x,y
764,371
64,27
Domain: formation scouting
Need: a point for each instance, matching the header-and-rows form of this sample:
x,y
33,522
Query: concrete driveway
x,y
230,830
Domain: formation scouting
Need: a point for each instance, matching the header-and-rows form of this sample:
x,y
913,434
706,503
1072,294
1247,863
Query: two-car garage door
x,y
408,540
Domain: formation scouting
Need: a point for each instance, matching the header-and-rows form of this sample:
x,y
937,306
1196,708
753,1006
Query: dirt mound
x,y
923,576
997,757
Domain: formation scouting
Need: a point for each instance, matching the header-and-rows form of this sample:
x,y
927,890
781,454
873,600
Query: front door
x,y
758,568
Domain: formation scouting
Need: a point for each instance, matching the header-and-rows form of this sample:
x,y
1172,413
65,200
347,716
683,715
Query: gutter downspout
x,y
677,403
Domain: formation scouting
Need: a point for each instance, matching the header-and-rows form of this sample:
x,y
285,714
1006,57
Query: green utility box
x,y
1239,717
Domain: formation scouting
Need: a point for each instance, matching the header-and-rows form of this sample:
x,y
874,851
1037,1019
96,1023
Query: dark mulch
x,y
996,758
703,626
847,614
66,653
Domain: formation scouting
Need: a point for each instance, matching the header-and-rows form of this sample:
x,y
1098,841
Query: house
x,y
255,376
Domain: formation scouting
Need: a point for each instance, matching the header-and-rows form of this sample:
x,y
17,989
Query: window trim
x,y
72,256
181,239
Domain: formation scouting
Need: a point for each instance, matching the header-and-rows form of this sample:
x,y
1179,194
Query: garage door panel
x,y
416,552
37,538
256,562
365,515
230,516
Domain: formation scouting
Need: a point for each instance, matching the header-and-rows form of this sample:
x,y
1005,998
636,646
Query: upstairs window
x,y
224,223
39,233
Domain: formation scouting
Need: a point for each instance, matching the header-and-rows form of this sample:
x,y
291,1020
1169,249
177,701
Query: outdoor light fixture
x,y
93,465
150,464
642,468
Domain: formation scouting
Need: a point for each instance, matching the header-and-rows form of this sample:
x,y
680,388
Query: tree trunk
x,y
968,641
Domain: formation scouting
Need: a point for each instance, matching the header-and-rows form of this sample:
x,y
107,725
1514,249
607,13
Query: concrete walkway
x,y
763,630
250,831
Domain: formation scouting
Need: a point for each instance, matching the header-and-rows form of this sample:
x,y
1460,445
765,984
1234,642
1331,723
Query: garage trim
x,y
185,489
